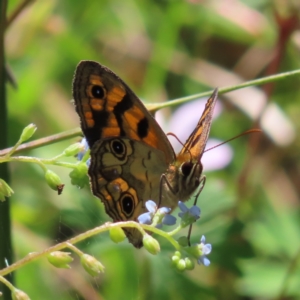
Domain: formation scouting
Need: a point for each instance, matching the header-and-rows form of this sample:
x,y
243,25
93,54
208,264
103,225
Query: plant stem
x,y
6,251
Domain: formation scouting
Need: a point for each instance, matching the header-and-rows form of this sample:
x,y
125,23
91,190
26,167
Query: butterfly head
x,y
185,175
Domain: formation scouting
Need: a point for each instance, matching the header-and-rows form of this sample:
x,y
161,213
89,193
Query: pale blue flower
x,y
85,147
205,249
146,218
188,215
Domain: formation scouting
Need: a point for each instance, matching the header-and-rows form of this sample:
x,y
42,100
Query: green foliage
x,y
163,50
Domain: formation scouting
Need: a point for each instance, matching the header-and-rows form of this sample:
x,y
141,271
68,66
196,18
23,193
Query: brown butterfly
x,y
132,160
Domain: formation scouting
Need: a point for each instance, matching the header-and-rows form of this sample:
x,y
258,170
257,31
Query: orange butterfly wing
x,y
195,144
108,108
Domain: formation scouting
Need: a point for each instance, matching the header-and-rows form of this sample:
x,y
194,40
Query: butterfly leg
x,y
201,186
163,179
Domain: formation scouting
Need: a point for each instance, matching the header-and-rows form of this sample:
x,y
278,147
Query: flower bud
x,y
60,259
79,175
151,244
190,265
53,180
117,234
181,265
17,294
91,265
73,149
175,260
5,190
28,132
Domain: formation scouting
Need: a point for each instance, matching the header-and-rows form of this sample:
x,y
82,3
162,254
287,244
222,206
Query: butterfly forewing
x,y
184,174
110,109
196,142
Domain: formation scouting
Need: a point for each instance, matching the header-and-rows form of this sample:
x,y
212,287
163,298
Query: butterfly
x,y
132,160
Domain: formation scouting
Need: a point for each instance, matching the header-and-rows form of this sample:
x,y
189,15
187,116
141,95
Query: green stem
x,y
36,255
7,283
177,229
164,234
75,249
6,251
156,106
41,162
69,243
13,149
76,132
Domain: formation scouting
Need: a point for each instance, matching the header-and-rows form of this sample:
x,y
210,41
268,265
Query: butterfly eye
x,y
186,168
118,148
98,92
127,204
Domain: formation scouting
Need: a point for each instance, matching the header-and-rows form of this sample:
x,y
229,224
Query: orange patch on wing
x,y
97,104
112,121
152,138
114,96
135,113
90,123
96,80
88,119
105,196
117,187
110,131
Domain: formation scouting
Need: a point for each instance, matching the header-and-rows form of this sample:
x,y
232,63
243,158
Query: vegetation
x,y
164,50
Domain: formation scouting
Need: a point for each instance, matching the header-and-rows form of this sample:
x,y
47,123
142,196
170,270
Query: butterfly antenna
x,y
235,137
203,178
179,141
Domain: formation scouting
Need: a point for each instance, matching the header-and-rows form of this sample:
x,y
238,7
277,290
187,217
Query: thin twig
x,y
45,141
17,11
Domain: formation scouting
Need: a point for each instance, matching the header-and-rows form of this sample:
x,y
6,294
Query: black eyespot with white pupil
x,y
98,92
186,168
127,204
118,148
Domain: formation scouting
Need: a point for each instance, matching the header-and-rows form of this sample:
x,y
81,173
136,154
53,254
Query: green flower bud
x,y
91,265
178,254
183,241
79,175
28,132
151,244
117,234
5,190
175,260
181,265
54,181
73,149
19,295
189,264
60,259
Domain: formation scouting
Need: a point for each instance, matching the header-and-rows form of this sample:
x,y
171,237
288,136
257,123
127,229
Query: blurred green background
x,y
164,50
